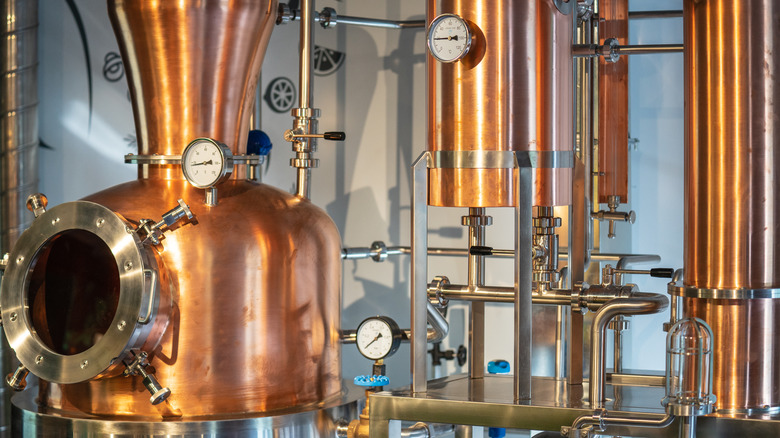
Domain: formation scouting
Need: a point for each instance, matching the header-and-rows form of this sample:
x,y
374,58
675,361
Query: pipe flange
x,y
476,221
577,305
305,113
723,294
439,282
378,251
139,301
305,163
328,18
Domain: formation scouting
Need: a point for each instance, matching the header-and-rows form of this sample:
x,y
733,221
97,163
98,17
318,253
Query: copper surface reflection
x,y
613,105
732,220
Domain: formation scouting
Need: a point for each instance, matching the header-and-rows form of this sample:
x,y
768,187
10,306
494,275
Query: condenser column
x,y
732,140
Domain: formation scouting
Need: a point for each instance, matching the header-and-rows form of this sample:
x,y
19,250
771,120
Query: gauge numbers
x,y
449,38
378,337
206,162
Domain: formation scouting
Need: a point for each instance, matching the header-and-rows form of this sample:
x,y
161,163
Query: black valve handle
x,y
335,136
662,273
481,250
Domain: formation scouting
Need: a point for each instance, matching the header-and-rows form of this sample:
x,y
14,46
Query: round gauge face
x,y
449,38
206,162
378,337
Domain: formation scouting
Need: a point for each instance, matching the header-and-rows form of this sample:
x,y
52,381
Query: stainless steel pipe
x,y
638,304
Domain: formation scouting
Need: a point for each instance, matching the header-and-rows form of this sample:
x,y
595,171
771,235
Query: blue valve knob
x,y
371,381
499,366
258,143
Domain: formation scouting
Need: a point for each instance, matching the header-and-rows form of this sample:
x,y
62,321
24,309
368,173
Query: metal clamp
x,y
723,294
253,160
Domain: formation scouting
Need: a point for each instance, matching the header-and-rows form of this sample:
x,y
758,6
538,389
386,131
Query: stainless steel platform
x,y
321,421
488,402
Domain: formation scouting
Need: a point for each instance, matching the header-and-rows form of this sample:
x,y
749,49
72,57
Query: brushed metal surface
x,y
489,402
192,68
731,205
256,306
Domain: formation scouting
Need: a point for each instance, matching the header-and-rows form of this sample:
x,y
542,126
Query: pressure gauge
x,y
449,38
378,337
206,163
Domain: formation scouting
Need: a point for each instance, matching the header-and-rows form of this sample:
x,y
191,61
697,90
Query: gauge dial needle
x,y
375,339
448,38
201,164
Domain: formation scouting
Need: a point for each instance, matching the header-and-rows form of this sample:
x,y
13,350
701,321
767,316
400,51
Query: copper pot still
x,y
511,92
251,286
732,221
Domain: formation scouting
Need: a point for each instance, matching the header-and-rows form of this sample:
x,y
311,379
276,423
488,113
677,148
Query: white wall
x,y
378,99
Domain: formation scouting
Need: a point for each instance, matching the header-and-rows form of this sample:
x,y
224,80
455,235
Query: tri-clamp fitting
x,y
151,231
613,202
545,249
138,367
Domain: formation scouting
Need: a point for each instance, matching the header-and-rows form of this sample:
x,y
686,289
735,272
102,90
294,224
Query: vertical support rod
x,y
581,204
523,283
305,54
476,277
419,273
305,116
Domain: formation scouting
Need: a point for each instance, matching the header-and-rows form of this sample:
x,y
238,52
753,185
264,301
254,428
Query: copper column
x,y
732,53
512,92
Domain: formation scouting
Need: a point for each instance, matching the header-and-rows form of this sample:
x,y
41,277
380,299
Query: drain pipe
x,y
19,146
637,304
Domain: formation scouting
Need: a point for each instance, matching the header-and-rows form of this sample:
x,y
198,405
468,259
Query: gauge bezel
x,y
436,22
395,330
226,169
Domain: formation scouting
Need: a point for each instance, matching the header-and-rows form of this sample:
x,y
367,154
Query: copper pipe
x,y
486,101
731,209
613,105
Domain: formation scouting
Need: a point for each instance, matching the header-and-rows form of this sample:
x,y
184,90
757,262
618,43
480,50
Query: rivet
x,y
100,222
55,220
84,364
20,259
39,359
121,325
128,266
14,316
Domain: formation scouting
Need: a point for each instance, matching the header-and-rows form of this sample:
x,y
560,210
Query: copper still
x,y
249,289
732,53
511,92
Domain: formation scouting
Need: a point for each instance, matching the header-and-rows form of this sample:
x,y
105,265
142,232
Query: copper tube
x,y
732,218
486,101
192,68
613,105
732,53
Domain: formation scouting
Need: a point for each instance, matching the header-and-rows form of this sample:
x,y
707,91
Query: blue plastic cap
x,y
371,381
496,432
258,143
499,366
